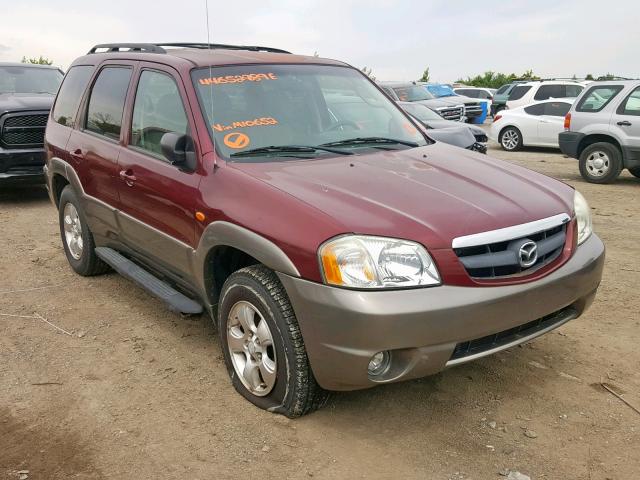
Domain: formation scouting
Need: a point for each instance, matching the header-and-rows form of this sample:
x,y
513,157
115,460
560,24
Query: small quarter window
x,y
70,94
106,104
158,109
519,91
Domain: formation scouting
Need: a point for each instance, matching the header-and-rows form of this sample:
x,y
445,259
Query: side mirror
x,y
178,149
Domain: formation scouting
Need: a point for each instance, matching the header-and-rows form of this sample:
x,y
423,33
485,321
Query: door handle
x,y
77,154
128,177
625,123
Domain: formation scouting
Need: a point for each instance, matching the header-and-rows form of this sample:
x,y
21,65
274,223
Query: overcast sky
x,y
397,39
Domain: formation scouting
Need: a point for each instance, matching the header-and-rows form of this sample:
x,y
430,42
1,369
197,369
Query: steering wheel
x,y
343,123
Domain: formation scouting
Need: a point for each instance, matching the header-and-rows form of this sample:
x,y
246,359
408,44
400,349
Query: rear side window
x,y
631,106
106,104
537,109
503,89
572,91
158,109
549,91
70,94
597,98
518,92
556,109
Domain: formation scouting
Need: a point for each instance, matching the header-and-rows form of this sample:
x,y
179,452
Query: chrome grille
x,y
19,129
472,109
451,113
503,257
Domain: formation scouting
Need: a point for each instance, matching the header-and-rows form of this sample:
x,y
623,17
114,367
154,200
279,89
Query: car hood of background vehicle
x,y
430,194
438,124
10,102
459,135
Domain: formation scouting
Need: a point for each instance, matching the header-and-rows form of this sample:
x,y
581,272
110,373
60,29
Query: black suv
x,y
26,95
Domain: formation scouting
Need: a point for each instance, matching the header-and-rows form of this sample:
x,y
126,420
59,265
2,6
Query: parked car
x,y
447,131
449,109
536,125
333,253
472,107
499,101
603,130
480,93
529,92
26,94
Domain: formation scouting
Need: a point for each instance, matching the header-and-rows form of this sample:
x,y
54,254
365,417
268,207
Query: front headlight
x,y
362,261
583,216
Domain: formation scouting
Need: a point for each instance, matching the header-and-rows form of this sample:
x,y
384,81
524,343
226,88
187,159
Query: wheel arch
x,y
226,247
597,138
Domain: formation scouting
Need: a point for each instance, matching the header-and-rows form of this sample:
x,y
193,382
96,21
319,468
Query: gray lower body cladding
x,y
423,328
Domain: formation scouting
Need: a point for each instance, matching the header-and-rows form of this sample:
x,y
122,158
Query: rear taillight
x,y
497,117
567,121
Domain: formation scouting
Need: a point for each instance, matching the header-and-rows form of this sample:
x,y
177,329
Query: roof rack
x,y
157,47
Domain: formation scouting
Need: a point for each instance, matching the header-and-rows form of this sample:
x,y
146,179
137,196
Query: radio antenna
x,y
206,9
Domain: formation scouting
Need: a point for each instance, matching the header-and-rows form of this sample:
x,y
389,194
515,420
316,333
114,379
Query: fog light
x,y
379,363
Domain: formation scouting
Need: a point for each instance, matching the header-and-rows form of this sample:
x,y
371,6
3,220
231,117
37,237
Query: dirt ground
x,y
137,392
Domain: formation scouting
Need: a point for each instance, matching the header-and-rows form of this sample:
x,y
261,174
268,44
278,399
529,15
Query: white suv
x,y
529,92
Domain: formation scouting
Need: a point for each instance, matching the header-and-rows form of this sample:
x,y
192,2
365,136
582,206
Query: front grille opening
x,y
496,340
23,130
487,261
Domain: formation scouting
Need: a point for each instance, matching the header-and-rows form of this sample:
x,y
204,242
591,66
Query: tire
x,y
84,260
600,163
510,139
635,171
279,377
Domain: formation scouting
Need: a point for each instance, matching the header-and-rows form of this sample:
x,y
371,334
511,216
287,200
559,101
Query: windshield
x,y
441,91
421,112
16,79
256,106
412,93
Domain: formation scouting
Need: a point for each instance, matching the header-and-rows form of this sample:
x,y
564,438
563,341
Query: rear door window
x,y
157,110
556,109
70,94
572,91
597,98
106,104
537,109
549,91
519,91
631,106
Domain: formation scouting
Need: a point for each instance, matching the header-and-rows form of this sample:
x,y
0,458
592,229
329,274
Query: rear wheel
x,y
511,139
262,344
600,163
77,239
635,171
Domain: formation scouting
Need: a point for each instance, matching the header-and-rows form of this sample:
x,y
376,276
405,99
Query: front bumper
x,y
422,327
569,143
22,167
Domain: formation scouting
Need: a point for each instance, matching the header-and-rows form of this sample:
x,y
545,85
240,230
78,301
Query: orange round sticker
x,y
236,140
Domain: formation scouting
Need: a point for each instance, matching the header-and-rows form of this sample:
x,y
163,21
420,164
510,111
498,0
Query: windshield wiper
x,y
288,149
370,140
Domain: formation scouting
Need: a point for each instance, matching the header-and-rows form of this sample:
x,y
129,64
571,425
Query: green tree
x,y
425,76
496,80
38,61
589,77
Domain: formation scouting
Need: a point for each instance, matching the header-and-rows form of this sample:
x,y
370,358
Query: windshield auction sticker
x,y
236,140
256,122
248,77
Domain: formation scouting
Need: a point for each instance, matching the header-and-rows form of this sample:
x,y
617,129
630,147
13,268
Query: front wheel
x,y
262,345
600,163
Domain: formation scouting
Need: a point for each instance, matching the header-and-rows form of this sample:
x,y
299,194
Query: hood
x,y
437,124
430,194
438,103
10,102
459,136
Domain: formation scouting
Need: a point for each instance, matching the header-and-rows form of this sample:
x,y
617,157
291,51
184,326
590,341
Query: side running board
x,y
152,284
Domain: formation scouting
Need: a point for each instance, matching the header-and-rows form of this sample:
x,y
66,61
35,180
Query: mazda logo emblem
x,y
528,254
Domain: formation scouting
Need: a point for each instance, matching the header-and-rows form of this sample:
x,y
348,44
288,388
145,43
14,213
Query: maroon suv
x,y
335,245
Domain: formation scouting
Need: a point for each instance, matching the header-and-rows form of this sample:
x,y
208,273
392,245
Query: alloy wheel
x,y
510,139
73,231
251,348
